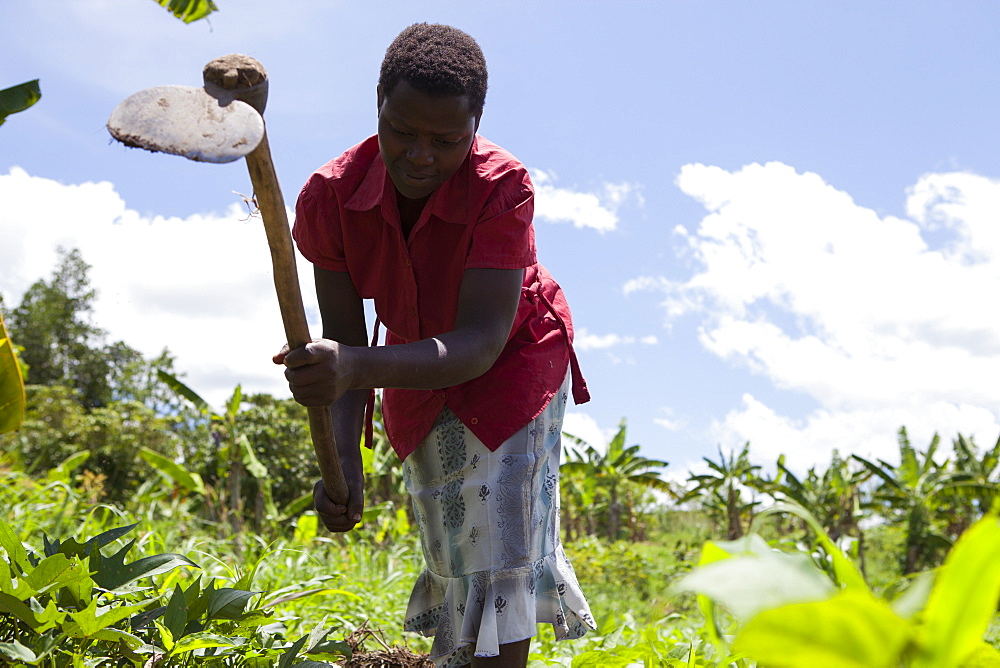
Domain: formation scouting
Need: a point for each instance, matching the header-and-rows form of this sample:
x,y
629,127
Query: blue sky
x,y
775,221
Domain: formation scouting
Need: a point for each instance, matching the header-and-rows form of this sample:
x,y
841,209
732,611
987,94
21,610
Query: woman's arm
x,y
321,372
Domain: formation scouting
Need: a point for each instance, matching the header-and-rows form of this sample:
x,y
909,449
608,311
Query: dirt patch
x,y
385,657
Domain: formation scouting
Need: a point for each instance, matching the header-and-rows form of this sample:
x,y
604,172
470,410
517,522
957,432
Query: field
x,y
142,527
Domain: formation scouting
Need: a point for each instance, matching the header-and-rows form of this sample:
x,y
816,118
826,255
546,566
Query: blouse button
x,y
474,420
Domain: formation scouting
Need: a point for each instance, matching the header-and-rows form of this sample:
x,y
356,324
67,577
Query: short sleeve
x,y
503,237
317,230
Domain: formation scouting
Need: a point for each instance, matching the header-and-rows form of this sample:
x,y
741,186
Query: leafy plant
x,y
74,605
720,489
614,469
913,490
791,612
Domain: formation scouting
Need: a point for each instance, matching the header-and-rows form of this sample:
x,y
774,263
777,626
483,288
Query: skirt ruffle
x,y
474,614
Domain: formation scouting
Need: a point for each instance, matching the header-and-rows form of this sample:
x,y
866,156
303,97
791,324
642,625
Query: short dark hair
x,y
436,59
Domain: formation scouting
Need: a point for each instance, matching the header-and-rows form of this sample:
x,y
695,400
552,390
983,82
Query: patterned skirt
x,y
489,525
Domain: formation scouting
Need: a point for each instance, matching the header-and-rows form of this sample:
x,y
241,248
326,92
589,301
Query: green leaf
x,y
68,465
12,399
112,573
180,388
228,603
233,407
250,461
759,579
174,472
286,659
175,617
48,571
92,619
964,597
73,548
851,630
15,550
15,606
18,98
848,575
188,11
200,641
983,656
15,651
166,637
118,636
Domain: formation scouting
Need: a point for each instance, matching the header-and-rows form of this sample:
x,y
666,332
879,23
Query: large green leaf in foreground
x,y
11,385
18,98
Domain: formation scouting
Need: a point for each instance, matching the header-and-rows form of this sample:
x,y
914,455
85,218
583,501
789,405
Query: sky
x,y
775,222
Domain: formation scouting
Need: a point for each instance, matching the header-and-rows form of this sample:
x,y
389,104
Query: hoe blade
x,y
187,121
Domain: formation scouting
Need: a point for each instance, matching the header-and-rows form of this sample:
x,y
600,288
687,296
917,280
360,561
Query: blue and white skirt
x,y
489,526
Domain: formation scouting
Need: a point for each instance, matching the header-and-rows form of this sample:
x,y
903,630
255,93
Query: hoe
x,y
222,122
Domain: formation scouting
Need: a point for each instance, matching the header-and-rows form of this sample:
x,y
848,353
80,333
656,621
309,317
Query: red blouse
x,y
347,220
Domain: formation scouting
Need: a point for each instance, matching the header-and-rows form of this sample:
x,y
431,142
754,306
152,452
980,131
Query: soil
x,y
234,71
387,657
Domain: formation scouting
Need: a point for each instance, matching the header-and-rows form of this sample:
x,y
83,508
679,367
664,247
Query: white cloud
x,y
583,209
585,427
217,312
861,312
868,432
583,339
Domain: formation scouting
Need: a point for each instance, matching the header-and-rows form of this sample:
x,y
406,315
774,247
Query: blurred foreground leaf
x,y
11,384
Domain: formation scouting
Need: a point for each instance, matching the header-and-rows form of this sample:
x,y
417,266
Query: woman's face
x,y
423,138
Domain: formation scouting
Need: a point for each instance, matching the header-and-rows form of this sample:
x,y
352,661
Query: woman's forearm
x,y
429,364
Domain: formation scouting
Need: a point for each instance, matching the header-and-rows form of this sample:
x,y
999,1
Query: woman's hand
x,y
337,517
319,372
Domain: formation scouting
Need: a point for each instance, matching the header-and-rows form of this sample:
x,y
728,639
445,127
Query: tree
x,y
56,426
911,492
720,489
616,468
53,324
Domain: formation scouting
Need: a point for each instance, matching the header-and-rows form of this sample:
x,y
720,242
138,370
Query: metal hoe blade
x,y
187,121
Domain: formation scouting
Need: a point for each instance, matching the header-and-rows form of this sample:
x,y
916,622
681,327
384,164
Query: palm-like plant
x,y
980,487
720,490
833,496
913,491
614,469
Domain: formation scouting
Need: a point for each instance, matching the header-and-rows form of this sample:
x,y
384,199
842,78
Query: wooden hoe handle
x,y
293,315
244,78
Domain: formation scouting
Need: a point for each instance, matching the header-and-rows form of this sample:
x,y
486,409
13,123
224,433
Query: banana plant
x,y
721,489
913,492
615,468
234,448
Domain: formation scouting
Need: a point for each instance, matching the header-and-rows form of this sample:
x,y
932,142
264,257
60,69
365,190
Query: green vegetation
x,y
142,527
